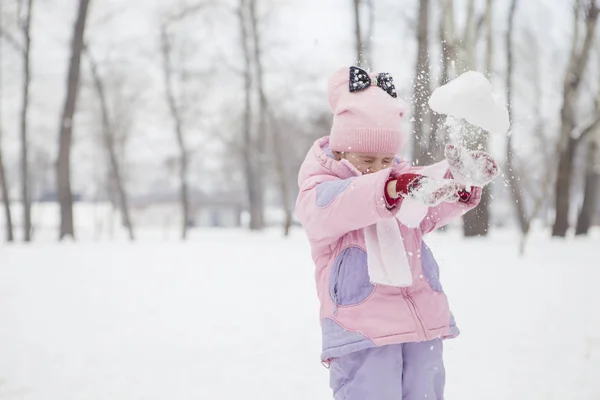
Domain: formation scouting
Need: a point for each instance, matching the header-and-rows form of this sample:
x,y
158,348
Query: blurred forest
x,y
122,115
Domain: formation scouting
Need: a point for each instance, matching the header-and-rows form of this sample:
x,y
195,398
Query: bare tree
x,y
283,178
251,166
421,90
437,133
568,140
263,134
457,56
512,173
63,170
3,182
515,173
489,37
460,49
589,208
476,222
178,129
363,44
535,188
271,130
108,137
176,102
467,46
358,41
25,25
368,52
5,195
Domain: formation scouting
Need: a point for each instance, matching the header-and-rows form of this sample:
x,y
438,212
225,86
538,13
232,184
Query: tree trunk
x,y
489,53
3,181
283,185
262,134
448,32
179,135
515,187
568,144
63,170
358,42
468,44
25,197
438,134
461,50
421,89
563,189
589,207
367,42
458,55
512,172
6,201
250,169
282,178
272,133
477,221
109,144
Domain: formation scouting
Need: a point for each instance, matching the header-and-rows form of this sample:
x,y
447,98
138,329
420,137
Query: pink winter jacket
x,y
335,203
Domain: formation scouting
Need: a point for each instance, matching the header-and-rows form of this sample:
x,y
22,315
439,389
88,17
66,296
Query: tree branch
x,y
469,24
12,41
189,10
479,25
575,38
582,58
583,132
580,133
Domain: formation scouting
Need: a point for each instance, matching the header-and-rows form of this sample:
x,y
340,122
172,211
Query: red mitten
x,y
472,196
407,182
429,191
464,196
403,184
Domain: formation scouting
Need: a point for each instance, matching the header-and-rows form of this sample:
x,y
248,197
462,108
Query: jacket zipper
x,y
335,300
413,309
335,287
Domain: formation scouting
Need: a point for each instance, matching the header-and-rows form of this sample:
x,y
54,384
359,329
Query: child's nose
x,y
377,166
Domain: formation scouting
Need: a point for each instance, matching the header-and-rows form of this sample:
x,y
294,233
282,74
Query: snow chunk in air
x,y
470,97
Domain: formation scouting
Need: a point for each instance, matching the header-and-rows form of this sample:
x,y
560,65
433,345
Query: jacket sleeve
x,y
329,207
444,213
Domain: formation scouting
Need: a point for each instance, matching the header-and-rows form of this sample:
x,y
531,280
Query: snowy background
x,y
232,315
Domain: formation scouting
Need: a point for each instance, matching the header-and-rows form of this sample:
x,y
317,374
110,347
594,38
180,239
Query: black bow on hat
x,y
360,80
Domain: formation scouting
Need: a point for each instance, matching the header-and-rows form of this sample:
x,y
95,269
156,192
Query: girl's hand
x,y
426,190
475,168
432,192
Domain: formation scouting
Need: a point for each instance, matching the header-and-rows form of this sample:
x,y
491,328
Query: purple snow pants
x,y
408,371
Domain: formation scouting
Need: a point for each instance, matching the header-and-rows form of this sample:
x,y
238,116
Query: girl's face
x,y
367,163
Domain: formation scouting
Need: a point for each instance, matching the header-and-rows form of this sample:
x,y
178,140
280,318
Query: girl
x,y
383,311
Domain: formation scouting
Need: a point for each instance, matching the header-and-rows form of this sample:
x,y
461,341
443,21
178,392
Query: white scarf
x,y
387,255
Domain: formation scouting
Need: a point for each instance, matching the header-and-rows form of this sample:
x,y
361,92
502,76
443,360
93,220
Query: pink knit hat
x,y
367,119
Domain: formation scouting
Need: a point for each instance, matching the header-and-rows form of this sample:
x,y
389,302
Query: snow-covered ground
x,y
233,315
